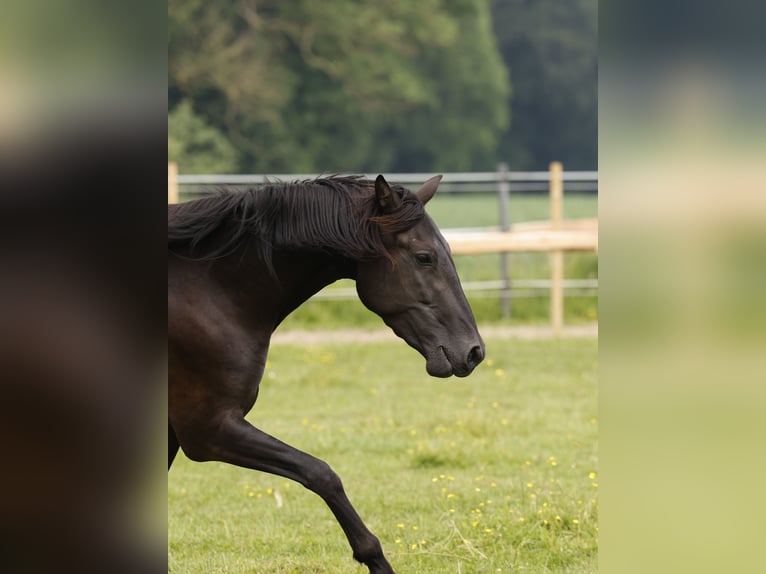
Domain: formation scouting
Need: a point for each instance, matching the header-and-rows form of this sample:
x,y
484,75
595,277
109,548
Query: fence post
x,y
557,257
503,193
172,182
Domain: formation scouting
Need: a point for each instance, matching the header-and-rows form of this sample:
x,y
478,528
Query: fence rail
x,y
456,182
554,236
454,177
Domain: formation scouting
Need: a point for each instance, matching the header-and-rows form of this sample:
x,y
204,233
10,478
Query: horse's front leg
x,y
237,442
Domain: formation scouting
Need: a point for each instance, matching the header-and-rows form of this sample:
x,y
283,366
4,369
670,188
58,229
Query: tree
x,y
197,146
342,86
550,47
459,127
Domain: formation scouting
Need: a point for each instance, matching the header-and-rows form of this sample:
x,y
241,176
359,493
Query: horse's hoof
x,y
384,568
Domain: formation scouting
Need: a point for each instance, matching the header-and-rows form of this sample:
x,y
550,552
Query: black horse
x,y
240,262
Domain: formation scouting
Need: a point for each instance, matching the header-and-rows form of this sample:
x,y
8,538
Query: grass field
x,y
493,473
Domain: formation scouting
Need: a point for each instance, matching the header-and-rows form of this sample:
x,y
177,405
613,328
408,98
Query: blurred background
x,y
683,235
333,86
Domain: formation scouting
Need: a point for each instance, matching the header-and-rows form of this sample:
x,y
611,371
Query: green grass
x,y
494,473
481,210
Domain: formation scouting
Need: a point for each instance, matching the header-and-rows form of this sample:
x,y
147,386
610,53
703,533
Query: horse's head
x,y
417,291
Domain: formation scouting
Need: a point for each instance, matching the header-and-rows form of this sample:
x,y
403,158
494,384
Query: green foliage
x,y
459,129
340,86
550,48
495,472
197,146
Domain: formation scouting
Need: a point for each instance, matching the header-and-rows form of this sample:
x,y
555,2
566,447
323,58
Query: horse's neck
x,y
299,276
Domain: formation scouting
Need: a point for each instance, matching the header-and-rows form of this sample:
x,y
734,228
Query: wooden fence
x,y
555,236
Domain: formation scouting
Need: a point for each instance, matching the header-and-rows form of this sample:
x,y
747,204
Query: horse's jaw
x,y
445,360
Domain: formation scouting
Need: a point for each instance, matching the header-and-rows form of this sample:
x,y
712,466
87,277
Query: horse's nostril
x,y
475,356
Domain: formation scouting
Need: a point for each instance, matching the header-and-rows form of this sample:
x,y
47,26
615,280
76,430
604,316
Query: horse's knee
x,y
323,480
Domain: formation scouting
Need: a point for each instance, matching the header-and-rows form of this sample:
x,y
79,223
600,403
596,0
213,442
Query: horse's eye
x,y
424,258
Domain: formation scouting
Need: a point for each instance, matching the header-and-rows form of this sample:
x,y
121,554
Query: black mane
x,y
338,215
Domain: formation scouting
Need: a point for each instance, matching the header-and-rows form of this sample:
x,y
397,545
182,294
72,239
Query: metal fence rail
x,y
455,182
453,177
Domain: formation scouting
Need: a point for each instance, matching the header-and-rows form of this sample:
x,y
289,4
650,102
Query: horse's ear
x,y
387,199
428,189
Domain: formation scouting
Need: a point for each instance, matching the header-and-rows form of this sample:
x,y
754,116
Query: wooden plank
x,y
172,182
557,256
478,242
586,223
557,193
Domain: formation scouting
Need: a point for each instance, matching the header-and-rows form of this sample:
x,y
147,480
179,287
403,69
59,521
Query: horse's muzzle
x,y
475,356
471,361
445,363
